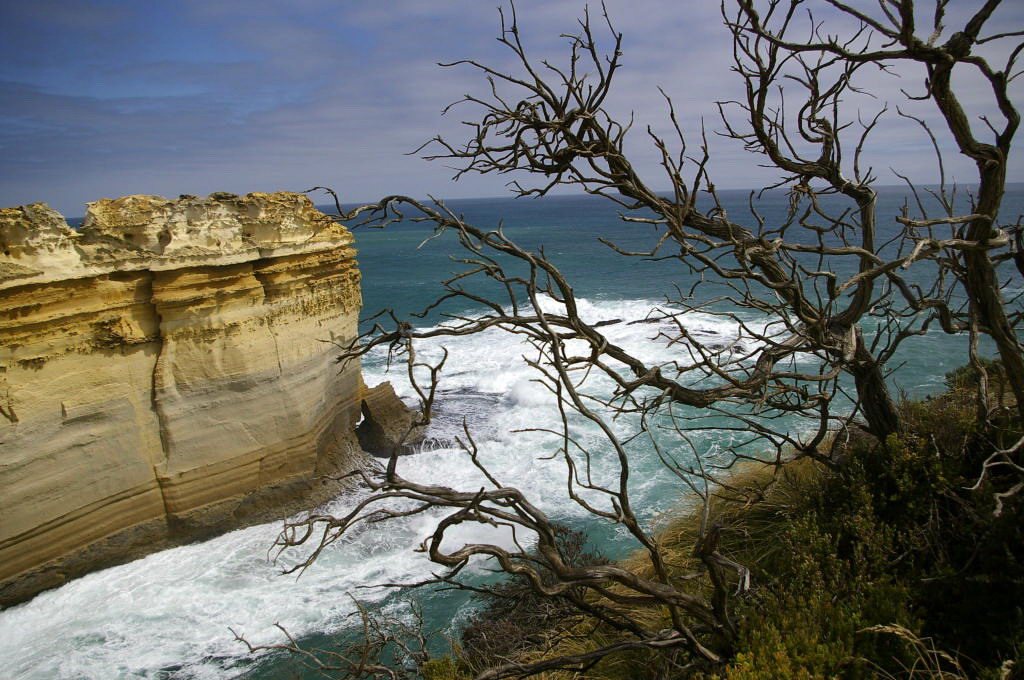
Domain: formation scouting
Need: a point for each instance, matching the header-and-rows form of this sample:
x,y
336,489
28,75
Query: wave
x,y
167,615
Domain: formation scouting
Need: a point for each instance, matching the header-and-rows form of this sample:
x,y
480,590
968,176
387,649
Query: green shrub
x,y
445,668
968,376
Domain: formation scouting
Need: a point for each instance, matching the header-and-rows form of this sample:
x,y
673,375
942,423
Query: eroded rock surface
x,y
165,373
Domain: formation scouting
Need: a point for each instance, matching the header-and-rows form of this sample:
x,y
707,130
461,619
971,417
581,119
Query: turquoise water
x,y
167,616
569,228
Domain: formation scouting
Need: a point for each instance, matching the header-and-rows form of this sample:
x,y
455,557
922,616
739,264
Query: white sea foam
x,y
167,615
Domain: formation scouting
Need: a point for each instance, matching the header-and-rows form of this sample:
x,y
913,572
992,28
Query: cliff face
x,y
167,372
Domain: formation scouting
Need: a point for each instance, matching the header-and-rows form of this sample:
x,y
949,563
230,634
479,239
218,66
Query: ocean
x,y
168,615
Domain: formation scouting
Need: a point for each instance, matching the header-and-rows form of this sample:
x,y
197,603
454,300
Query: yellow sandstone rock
x,y
164,374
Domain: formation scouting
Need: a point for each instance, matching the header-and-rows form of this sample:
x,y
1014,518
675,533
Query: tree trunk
x,y
983,286
980,279
877,406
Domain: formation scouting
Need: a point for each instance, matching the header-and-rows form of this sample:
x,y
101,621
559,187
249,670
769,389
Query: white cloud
x,y
264,95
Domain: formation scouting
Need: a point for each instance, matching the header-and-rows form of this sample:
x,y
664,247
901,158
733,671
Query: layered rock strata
x,y
166,372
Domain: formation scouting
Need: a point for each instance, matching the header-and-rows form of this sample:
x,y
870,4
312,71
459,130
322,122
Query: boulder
x,y
387,424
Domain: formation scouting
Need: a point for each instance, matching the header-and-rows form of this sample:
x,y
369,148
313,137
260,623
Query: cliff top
x,y
153,232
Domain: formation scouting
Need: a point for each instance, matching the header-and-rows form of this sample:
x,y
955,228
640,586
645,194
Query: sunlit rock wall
x,y
165,373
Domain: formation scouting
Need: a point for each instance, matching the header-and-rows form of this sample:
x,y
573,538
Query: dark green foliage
x,y
894,536
826,580
445,668
968,376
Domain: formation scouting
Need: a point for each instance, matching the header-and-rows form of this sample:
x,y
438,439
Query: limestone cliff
x,y
165,372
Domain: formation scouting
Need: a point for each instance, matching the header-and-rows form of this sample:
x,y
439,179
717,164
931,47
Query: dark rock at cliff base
x,y
387,423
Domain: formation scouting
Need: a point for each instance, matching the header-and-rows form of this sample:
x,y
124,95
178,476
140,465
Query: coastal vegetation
x,y
897,562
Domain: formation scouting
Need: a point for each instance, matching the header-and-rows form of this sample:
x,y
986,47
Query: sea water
x,y
171,614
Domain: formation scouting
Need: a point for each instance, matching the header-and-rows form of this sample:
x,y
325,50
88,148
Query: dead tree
x,y
975,244
548,126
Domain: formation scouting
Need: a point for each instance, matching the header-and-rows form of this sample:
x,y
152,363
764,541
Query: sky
x,y
103,98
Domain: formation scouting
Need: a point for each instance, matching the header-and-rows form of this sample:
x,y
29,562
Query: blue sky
x,y
102,98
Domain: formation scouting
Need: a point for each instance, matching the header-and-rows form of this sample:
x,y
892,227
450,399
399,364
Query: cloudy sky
x,y
103,98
